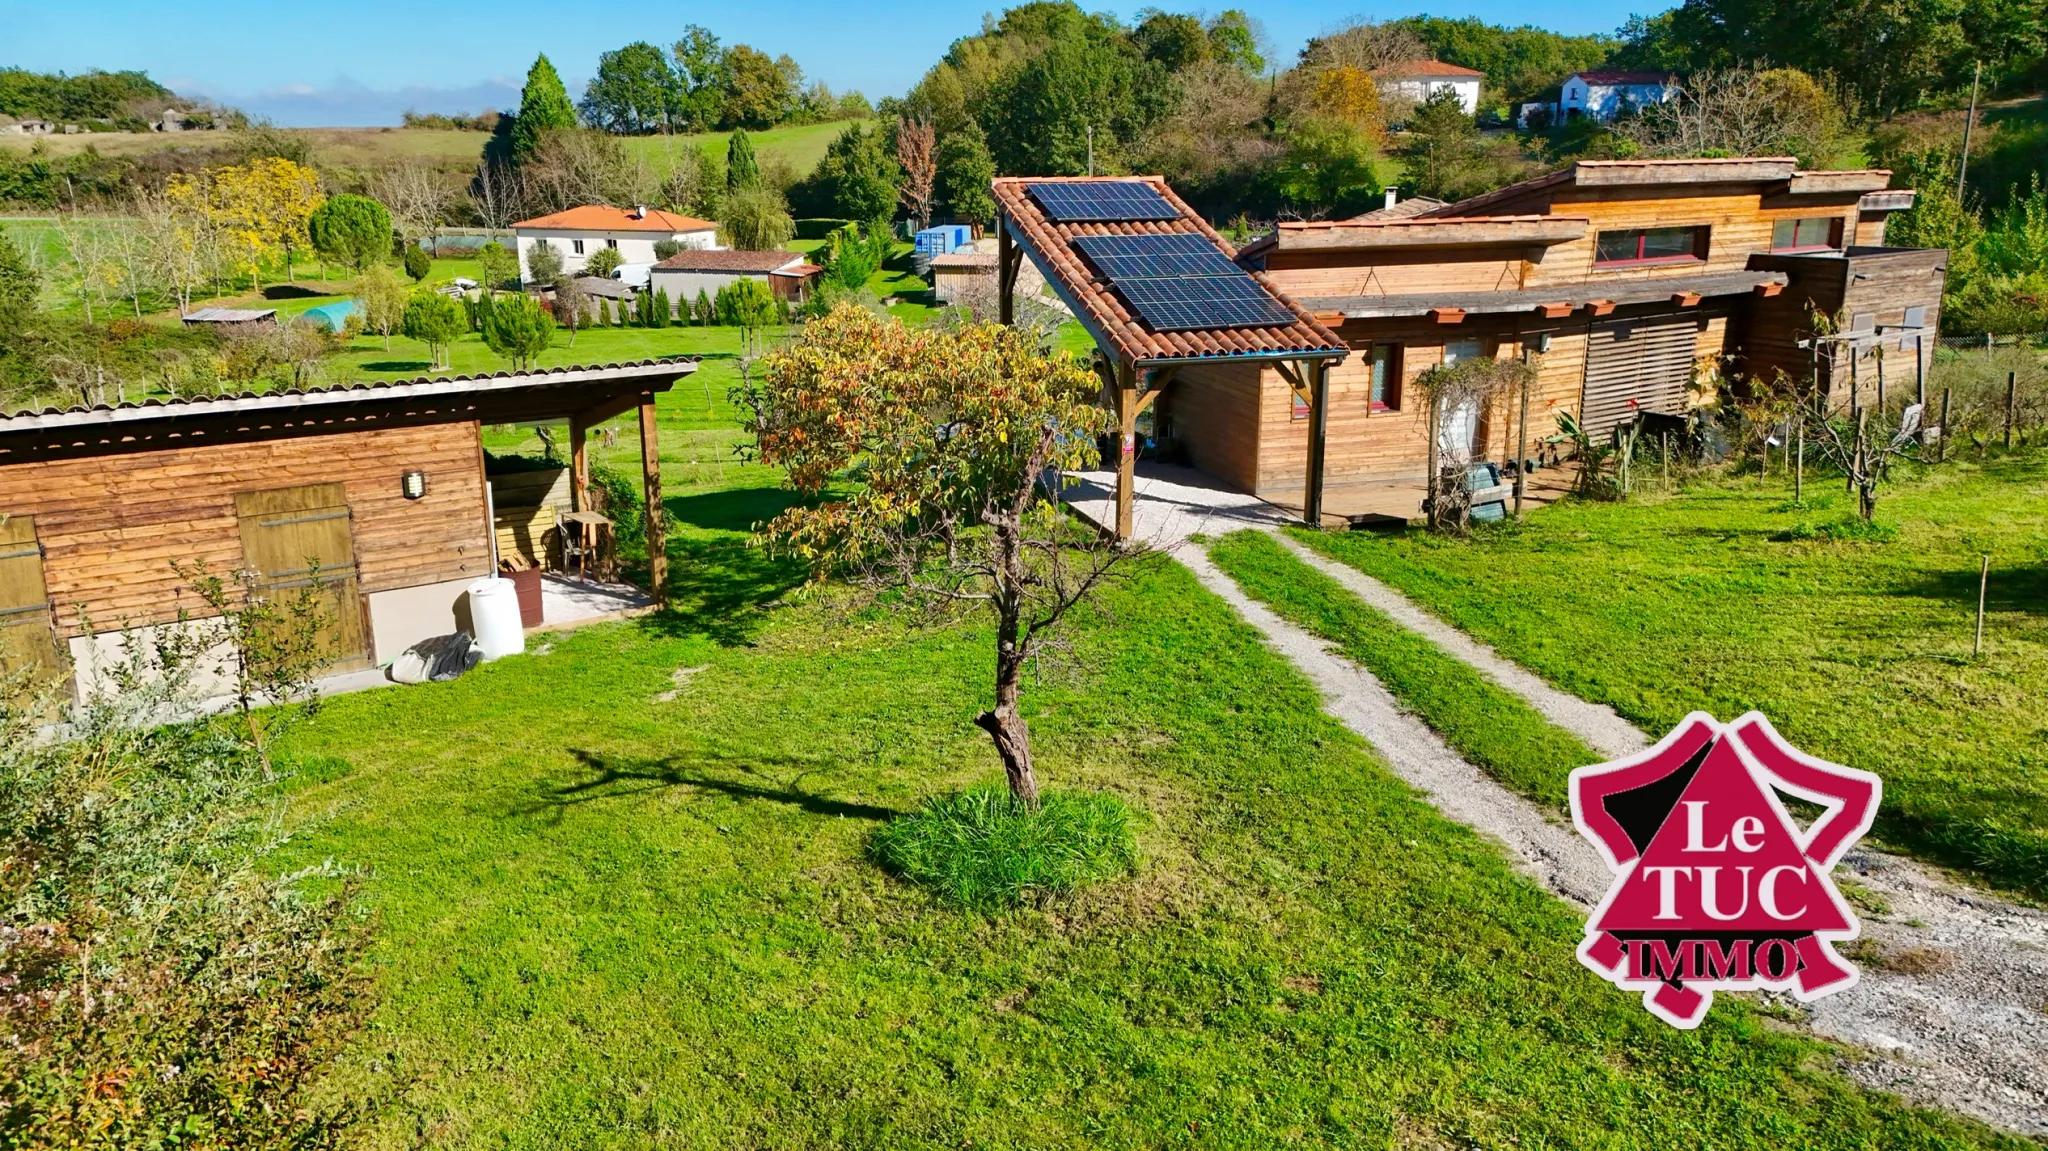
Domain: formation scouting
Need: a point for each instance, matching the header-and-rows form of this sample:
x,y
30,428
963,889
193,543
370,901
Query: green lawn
x,y
1859,652
801,147
1487,724
612,916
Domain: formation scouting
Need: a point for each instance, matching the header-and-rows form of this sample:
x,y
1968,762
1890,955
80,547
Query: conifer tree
x,y
543,107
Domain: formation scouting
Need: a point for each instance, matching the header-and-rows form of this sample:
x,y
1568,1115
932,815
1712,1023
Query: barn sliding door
x,y
1646,360
294,538
28,635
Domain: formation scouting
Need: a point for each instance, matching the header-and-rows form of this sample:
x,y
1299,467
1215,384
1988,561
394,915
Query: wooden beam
x,y
1006,272
1127,447
1292,377
1768,290
1685,299
1157,385
1318,428
616,406
657,518
579,464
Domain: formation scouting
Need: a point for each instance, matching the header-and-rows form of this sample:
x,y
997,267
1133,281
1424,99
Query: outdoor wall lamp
x,y
414,485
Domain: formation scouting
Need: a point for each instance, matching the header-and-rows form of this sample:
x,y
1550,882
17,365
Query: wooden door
x,y
1646,360
293,538
28,633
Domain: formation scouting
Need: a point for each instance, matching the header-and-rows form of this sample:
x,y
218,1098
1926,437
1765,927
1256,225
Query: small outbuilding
x,y
1417,80
691,271
374,493
231,321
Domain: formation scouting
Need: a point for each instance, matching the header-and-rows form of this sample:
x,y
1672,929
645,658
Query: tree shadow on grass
x,y
398,366
619,777
2009,589
721,585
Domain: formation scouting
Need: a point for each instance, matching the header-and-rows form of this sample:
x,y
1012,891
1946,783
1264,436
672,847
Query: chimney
x,y
1393,194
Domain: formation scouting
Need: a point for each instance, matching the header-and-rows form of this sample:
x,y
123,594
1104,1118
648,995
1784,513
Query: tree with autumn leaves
x,y
257,212
931,461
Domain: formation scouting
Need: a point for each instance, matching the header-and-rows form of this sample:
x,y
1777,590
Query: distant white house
x,y
1604,95
579,232
27,127
1417,80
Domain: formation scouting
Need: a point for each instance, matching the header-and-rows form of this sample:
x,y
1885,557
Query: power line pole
x,y
1963,168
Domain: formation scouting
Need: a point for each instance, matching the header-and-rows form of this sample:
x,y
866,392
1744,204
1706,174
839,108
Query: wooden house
x,y
376,492
1630,285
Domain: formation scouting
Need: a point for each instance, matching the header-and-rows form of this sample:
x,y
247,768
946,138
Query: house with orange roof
x,y
1417,80
577,233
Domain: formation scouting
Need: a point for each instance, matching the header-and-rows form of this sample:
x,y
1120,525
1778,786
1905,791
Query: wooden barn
x,y
379,487
1631,285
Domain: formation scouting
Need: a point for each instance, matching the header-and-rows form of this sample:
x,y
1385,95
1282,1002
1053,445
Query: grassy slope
x,y
1859,652
1487,724
608,921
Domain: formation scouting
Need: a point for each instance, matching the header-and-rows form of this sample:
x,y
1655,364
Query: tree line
x,y
699,85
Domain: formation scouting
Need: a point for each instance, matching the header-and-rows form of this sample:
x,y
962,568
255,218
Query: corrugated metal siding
x,y
1646,360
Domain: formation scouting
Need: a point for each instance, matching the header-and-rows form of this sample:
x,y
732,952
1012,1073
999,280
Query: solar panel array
x,y
1099,203
1181,282
1154,257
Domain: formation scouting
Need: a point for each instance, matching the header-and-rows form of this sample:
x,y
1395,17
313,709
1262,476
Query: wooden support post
x,y
1006,278
1522,441
1126,447
1941,445
657,517
579,465
1920,376
2012,384
1318,428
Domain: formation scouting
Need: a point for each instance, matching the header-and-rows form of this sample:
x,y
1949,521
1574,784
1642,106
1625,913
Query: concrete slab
x,y
1171,504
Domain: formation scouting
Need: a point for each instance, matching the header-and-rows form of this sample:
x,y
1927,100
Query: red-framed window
x,y
1629,246
1809,234
1386,378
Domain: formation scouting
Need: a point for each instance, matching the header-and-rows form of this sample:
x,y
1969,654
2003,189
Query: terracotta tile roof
x,y
605,218
728,260
1049,244
798,270
1424,68
1402,209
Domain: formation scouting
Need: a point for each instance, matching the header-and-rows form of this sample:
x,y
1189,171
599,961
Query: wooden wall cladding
x,y
111,525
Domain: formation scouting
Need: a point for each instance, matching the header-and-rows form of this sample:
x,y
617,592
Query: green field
x,y
801,146
623,900
1716,598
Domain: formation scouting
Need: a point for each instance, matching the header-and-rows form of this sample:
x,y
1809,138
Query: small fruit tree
x,y
932,460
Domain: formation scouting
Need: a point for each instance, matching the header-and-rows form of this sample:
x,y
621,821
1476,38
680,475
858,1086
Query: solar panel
x,y
1101,202
1198,302
1154,257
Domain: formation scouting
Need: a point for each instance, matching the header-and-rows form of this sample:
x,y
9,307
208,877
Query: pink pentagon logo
x,y
1716,886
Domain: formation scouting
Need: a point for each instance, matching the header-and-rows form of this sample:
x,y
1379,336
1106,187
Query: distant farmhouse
x,y
788,275
1605,95
579,232
1417,80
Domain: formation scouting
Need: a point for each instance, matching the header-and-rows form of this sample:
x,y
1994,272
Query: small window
x,y
576,246
1456,350
1386,378
1651,246
1300,406
611,243
1863,321
1916,317
1812,234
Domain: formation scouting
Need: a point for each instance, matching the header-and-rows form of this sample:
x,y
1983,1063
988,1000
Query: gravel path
x,y
1952,1007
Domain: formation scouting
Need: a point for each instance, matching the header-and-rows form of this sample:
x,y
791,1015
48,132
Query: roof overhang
x,y
1422,232
1889,200
1824,183
1551,302
653,375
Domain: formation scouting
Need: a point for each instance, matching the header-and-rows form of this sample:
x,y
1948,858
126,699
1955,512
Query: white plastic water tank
x,y
494,611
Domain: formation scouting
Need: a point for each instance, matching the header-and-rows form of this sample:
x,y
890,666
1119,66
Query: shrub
x,y
817,228
604,262
986,850
620,499
663,249
1847,529
417,262
161,989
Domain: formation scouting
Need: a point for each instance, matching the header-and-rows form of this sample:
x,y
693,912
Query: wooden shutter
x,y
28,634
293,538
1647,360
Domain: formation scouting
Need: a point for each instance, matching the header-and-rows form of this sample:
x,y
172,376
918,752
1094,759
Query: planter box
x,y
527,585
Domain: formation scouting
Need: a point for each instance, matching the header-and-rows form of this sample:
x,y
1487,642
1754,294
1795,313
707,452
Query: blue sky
x,y
365,61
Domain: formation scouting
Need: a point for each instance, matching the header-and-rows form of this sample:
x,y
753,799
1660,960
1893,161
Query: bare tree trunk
x,y
1005,724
